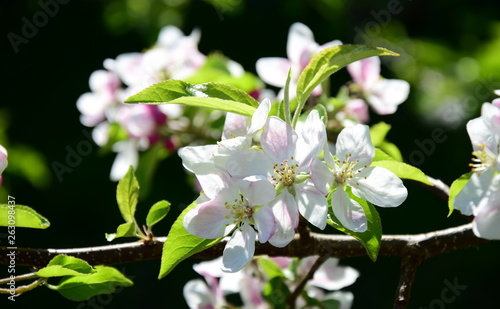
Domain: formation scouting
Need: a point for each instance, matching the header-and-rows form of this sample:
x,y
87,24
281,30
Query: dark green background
x,y
41,83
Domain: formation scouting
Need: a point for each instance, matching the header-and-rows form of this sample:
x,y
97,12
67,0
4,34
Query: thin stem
x,y
19,278
24,288
291,299
286,100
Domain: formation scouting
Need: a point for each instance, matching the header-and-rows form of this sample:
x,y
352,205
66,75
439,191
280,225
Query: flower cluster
x,y
173,56
248,284
481,194
257,189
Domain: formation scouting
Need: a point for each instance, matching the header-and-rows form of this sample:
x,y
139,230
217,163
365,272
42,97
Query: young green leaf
x,y
22,216
403,170
378,132
276,292
64,265
270,268
157,212
104,280
127,229
127,194
329,61
455,188
180,244
219,104
372,236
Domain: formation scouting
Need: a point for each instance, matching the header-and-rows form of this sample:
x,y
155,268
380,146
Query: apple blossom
x,y
285,161
351,168
384,95
233,208
485,141
300,49
487,212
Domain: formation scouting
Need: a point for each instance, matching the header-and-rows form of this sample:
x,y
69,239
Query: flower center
x,y
284,172
344,170
240,210
484,159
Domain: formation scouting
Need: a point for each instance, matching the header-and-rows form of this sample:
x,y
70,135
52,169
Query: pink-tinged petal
x,y
127,155
473,192
3,159
273,70
481,135
312,204
358,109
379,186
387,94
278,140
209,220
251,293
235,125
332,277
257,189
355,143
312,138
265,223
198,295
328,45
300,39
246,162
239,249
230,283
92,106
491,115
129,68
169,36
321,176
104,81
282,261
259,117
365,72
287,218
100,134
348,211
195,157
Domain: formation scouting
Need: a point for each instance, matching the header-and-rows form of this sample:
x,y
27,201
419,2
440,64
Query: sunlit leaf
x,y
403,170
455,188
127,194
157,212
64,265
22,216
127,229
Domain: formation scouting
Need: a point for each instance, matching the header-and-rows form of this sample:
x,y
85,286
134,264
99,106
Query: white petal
x,y
365,72
344,297
195,157
273,70
287,218
127,156
312,138
265,223
198,295
487,220
379,186
300,38
355,142
208,220
239,249
482,134
246,162
210,268
278,140
169,36
3,159
387,94
235,125
473,191
321,175
312,204
348,211
257,190
331,277
491,115
259,117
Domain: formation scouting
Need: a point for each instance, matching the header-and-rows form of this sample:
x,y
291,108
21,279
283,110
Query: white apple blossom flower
x,y
485,139
487,213
285,161
300,49
237,209
351,168
384,95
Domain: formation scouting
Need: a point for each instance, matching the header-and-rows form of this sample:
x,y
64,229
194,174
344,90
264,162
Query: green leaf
x,y
392,150
329,61
124,230
157,212
64,265
180,244
276,292
381,156
378,132
455,188
270,268
127,194
21,216
372,236
212,95
104,280
403,170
